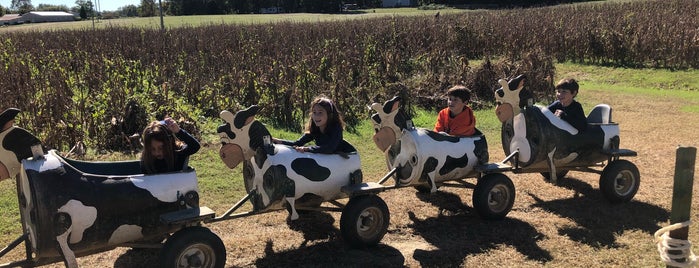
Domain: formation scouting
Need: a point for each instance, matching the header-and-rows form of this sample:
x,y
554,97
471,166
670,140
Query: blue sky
x,y
104,5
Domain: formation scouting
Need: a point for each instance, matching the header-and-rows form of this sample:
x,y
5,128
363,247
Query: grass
x,y
200,20
682,85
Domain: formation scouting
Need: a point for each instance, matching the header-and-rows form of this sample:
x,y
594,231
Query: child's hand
x,y
172,125
302,149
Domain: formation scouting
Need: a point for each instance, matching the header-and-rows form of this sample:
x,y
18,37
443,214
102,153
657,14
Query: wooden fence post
x,y
682,191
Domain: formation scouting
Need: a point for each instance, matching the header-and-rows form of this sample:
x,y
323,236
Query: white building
x,y
10,19
47,16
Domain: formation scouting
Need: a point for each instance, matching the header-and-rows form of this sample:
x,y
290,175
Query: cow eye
x,y
413,160
500,92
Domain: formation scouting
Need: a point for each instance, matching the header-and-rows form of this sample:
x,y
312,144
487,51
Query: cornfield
x,y
102,86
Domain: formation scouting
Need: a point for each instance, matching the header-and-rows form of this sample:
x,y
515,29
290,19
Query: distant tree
x,y
47,7
242,6
83,13
332,6
128,11
425,2
290,5
2,11
174,7
166,6
22,6
85,8
310,5
369,3
147,9
321,6
215,7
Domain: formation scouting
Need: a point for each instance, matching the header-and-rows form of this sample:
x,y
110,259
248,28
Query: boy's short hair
x,y
569,84
460,92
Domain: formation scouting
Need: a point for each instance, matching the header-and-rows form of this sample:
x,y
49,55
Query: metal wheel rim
x,y
624,182
498,197
369,222
197,255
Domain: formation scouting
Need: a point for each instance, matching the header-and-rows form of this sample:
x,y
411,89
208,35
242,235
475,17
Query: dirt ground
x,y
564,225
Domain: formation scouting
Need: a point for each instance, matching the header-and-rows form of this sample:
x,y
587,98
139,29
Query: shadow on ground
x,y
138,257
458,232
455,233
330,252
598,220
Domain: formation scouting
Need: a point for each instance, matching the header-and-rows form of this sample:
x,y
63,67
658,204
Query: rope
x,y
666,243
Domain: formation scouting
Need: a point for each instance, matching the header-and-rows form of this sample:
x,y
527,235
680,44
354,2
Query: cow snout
x,y
384,138
504,112
4,173
231,155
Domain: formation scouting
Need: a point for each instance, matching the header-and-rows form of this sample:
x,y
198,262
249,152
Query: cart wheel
x,y
193,247
494,196
619,181
364,221
559,175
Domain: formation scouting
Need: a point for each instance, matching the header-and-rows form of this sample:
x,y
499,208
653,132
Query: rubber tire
x,y
198,239
559,175
364,221
619,181
494,196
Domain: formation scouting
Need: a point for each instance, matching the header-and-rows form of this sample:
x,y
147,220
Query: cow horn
x,y
226,116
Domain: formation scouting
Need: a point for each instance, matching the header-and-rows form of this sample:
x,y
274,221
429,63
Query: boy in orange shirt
x,y
457,119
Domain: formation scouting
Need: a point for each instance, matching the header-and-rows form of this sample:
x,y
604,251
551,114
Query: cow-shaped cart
x,y
277,177
535,140
72,208
426,160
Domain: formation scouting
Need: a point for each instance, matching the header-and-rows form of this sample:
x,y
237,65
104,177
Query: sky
x,y
104,5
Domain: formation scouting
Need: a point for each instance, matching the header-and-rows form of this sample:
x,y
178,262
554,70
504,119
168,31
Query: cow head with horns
x,y
422,156
544,140
277,174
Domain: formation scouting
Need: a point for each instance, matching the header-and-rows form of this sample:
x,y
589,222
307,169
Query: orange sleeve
x,y
441,120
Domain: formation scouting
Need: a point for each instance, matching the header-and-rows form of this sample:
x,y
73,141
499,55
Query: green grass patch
x,y
632,79
682,85
690,108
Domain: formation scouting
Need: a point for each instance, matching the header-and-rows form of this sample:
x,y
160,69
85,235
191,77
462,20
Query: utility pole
x,y
160,7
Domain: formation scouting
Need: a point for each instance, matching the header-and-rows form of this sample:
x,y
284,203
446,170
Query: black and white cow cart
x,y
73,208
278,177
536,141
426,160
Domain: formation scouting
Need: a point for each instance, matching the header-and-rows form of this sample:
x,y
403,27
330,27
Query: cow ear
x,y
226,116
249,120
503,84
376,107
396,105
521,84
